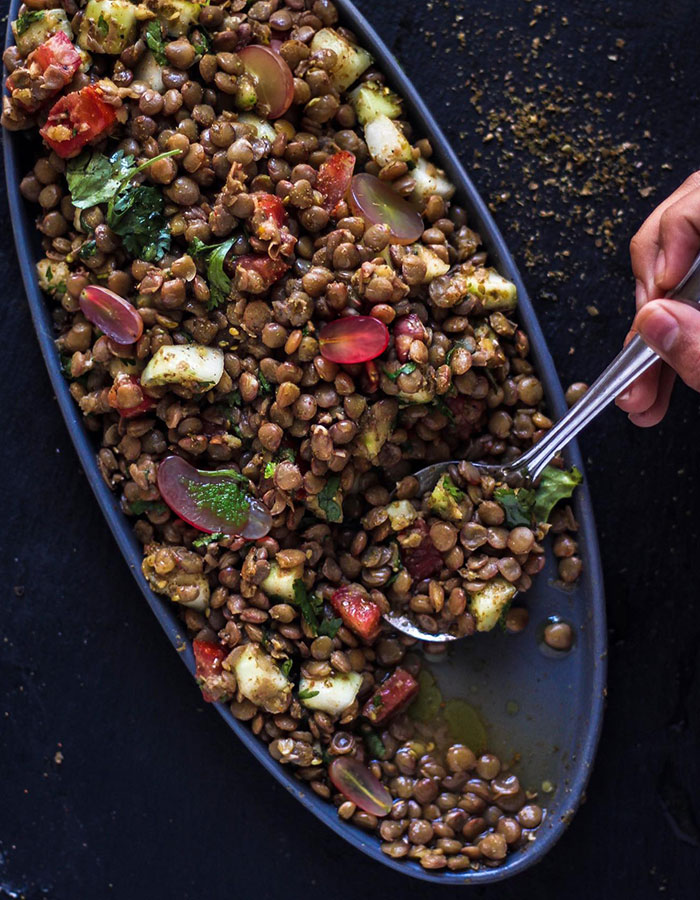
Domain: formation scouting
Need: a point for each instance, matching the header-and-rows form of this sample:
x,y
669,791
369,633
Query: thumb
x,y
672,329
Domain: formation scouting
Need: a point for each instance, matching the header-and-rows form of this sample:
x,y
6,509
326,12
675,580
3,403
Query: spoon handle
x,y
627,366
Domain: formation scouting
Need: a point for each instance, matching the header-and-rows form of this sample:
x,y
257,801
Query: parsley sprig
x,y
217,279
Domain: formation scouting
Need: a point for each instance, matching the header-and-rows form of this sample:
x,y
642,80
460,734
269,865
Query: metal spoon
x,y
627,366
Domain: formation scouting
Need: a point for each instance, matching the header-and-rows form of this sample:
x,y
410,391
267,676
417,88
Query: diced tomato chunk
x,y
334,178
270,207
58,53
391,697
359,614
269,271
76,120
425,559
208,657
128,412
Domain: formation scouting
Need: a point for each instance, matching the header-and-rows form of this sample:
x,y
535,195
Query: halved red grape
x,y
334,178
379,204
217,501
353,339
274,82
111,313
358,784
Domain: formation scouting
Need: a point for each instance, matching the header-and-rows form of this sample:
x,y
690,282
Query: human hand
x,y
661,253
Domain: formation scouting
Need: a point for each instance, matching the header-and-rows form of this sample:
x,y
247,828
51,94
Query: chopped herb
x,y
451,488
307,695
392,578
467,344
269,470
102,26
226,499
287,667
138,217
287,455
375,744
301,599
88,250
218,281
139,507
201,40
27,19
555,485
405,369
155,42
330,627
265,385
327,501
207,539
518,505
95,178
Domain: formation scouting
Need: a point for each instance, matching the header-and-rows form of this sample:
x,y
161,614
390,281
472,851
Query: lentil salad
x,y
189,567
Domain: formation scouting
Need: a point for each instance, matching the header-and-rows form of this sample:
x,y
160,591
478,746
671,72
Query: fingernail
x,y
660,267
660,330
624,396
640,294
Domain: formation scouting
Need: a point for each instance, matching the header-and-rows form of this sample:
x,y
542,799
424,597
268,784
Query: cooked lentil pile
x,y
271,312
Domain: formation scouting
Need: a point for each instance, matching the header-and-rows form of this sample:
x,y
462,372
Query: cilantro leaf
x,y
218,281
375,744
451,488
301,599
307,695
265,385
155,42
26,19
518,505
286,666
102,26
555,485
327,501
405,369
137,216
95,178
201,40
207,539
330,627
139,507
88,249
269,470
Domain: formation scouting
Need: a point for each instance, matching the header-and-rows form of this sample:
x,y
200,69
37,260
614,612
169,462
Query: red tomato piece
x,y
334,178
425,559
359,614
76,120
268,271
268,206
128,412
208,657
392,695
58,53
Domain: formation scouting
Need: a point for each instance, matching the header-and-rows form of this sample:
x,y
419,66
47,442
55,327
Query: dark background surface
x,y
117,781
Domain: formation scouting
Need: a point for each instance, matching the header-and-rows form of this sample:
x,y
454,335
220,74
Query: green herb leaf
x,y
139,507
88,249
102,26
265,385
201,40
555,485
137,216
286,667
269,470
330,627
442,407
207,539
26,19
518,505
226,500
95,178
375,744
327,501
307,695
405,369
451,488
155,42
301,599
218,281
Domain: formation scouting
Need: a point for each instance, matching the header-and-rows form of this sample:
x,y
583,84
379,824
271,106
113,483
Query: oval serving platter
x,y
525,698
